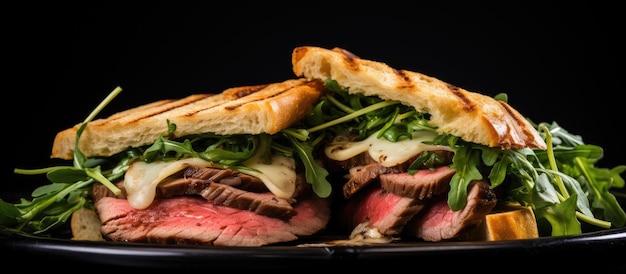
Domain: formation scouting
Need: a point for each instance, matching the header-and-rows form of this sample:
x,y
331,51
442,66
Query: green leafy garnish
x,y
53,204
315,174
561,184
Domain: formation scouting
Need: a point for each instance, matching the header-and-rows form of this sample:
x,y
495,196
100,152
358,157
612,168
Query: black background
x,y
557,63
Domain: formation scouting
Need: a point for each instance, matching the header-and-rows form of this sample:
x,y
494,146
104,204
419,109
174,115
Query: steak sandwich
x,y
390,153
411,165
207,169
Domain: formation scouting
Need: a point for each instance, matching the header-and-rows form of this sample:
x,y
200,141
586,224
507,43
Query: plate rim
x,y
143,255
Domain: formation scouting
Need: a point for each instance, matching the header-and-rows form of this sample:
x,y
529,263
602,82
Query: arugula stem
x,y
589,178
37,171
338,104
102,104
301,135
79,158
353,115
97,175
405,115
53,199
564,193
559,181
593,221
389,123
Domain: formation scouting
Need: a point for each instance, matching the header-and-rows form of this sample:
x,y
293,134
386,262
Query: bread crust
x,y
85,225
472,116
266,108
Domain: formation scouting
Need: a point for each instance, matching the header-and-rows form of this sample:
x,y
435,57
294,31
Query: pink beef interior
x,y
193,220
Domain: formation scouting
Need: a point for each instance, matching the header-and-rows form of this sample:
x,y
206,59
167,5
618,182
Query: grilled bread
x,y
241,110
473,117
85,225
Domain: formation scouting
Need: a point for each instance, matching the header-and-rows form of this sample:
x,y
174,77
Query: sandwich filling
x,y
416,155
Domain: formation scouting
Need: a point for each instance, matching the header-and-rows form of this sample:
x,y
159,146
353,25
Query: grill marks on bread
x,y
252,90
245,91
151,110
472,116
406,83
467,104
254,109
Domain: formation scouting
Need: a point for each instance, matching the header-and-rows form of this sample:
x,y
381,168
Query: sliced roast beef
x,y
416,206
361,176
226,177
261,203
424,184
437,221
198,209
206,182
383,210
362,159
363,170
192,220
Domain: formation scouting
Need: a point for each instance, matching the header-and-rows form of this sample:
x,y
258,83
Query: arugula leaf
x,y
561,184
53,204
465,163
50,207
598,183
315,174
562,217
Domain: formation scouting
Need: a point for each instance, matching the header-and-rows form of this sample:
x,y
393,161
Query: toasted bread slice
x,y
85,225
472,116
241,110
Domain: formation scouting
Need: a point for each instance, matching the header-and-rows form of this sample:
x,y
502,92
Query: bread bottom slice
x,y
85,225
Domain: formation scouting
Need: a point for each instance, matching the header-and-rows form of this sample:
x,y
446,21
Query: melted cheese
x,y
141,178
279,176
385,152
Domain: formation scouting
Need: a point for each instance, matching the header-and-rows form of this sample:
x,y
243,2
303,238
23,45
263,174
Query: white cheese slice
x,y
381,150
141,178
279,176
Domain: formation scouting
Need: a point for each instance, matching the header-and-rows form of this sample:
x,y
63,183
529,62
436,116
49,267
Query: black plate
x,y
66,63
597,249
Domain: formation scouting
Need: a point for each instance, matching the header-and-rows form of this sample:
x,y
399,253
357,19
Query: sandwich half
x,y
390,153
408,148
207,169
